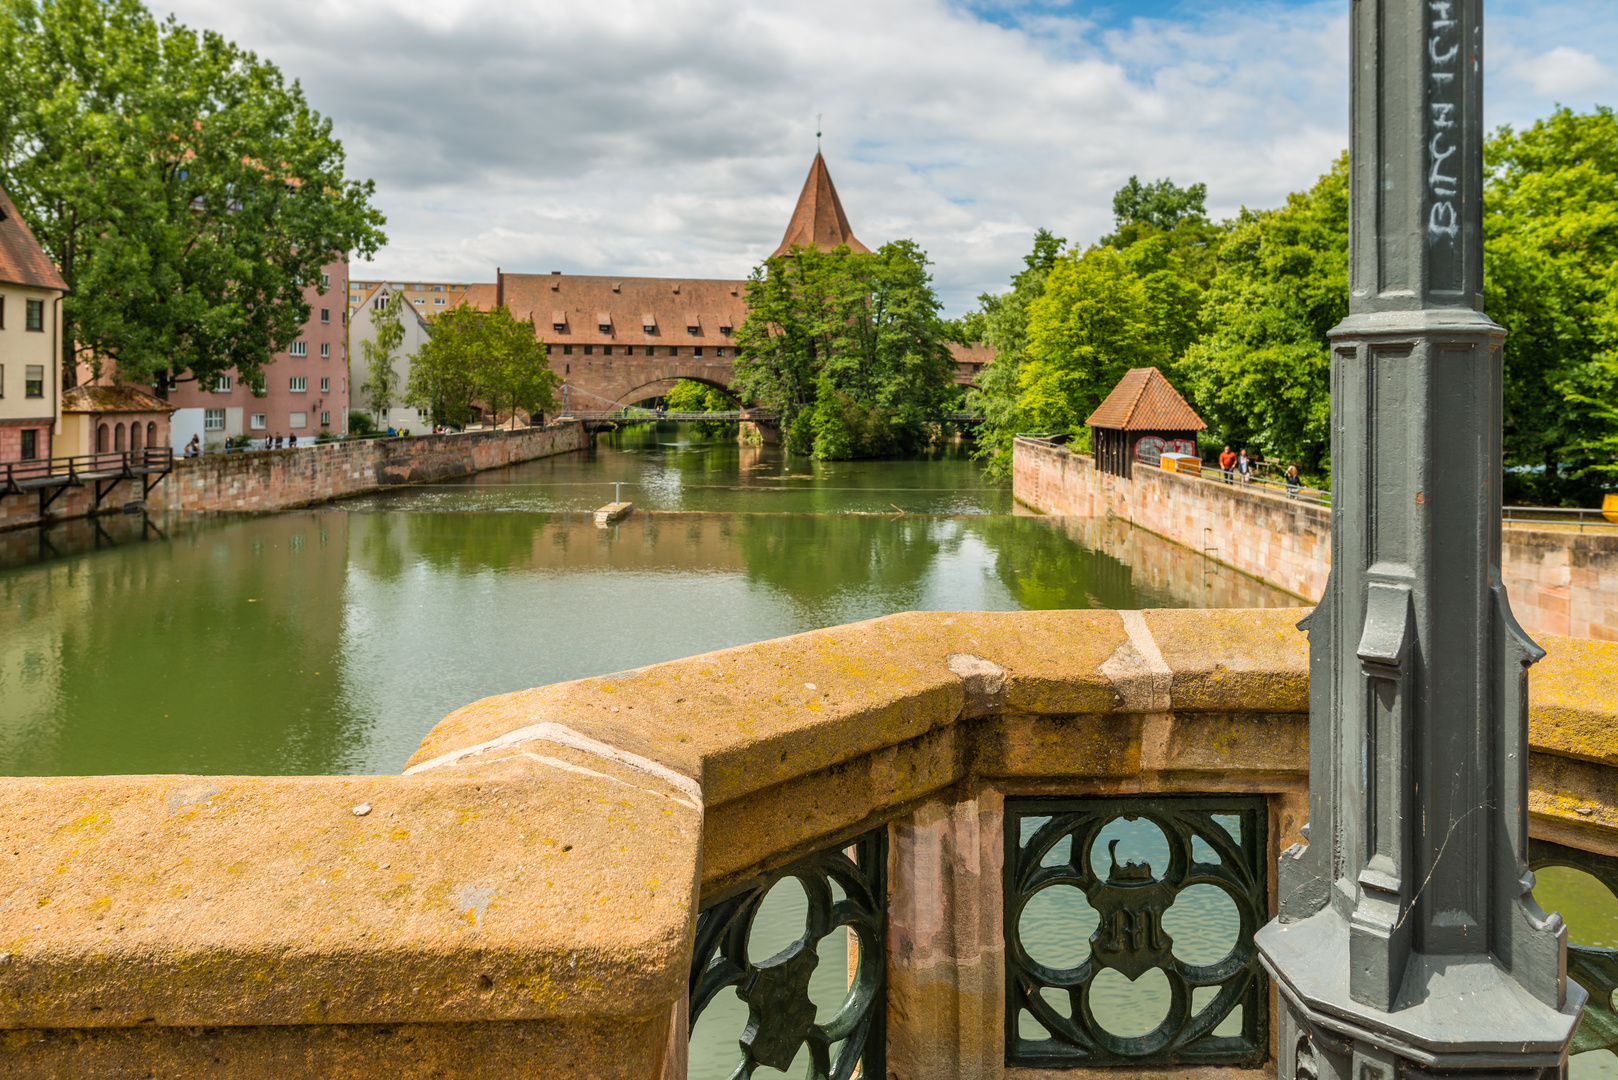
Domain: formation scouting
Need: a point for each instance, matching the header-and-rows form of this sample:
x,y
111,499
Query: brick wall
x,y
279,479
1560,582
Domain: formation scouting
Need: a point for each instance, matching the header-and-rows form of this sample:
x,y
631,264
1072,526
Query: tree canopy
x,y
1551,269
849,350
479,358
1261,372
187,192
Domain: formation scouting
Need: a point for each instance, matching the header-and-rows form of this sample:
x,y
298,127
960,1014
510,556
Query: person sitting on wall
x,y
1227,460
194,447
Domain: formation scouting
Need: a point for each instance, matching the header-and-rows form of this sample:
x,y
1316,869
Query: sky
x,y
671,137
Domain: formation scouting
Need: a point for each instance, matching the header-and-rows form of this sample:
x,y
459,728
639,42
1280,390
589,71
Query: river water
x,y
331,640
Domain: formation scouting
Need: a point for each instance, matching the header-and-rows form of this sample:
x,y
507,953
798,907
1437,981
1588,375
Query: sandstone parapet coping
x,y
528,885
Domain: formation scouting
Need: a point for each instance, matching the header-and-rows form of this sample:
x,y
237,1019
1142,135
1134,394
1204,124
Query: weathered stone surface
x,y
530,886
619,1049
1573,700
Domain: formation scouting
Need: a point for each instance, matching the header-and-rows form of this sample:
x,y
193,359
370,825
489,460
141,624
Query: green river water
x,y
331,640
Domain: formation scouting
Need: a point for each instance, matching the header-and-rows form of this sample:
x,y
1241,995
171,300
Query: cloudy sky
x,y
671,137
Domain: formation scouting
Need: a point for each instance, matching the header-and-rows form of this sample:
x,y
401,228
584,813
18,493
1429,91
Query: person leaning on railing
x,y
1292,481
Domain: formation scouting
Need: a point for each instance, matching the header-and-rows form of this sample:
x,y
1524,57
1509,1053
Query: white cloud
x,y
672,136
1562,72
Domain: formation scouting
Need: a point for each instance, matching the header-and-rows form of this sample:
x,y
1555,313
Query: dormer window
x,y
604,322
648,323
559,321
693,325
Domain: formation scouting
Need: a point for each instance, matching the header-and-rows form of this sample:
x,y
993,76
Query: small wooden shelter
x,y
1144,417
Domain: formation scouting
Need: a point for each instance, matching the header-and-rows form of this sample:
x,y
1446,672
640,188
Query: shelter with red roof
x,y
1144,417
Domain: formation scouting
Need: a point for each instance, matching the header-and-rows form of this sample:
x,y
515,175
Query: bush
x,y
359,423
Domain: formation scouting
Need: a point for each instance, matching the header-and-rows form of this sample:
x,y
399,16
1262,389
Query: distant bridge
x,y
633,415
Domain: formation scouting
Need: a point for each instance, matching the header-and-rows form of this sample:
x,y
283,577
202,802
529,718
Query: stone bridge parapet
x,y
522,898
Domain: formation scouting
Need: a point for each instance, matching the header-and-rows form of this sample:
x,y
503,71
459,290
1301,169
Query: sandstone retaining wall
x,y
279,479
1560,581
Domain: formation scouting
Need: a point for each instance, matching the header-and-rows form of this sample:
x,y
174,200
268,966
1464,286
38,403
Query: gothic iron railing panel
x,y
1594,969
1217,841
781,1017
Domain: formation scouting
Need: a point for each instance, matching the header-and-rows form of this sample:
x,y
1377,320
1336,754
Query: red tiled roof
x,y
22,260
975,353
1143,400
122,398
819,220
626,306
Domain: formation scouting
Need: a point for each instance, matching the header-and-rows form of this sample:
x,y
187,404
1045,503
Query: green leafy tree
x,y
1551,267
481,358
1163,205
187,192
1002,321
1091,324
849,350
1261,373
380,352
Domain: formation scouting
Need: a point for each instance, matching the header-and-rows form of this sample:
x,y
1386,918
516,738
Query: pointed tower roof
x,y
1143,400
819,220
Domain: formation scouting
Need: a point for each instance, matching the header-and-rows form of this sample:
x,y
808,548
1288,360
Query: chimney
x,y
499,288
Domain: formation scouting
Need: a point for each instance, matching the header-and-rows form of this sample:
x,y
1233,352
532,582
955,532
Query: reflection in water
x,y
331,640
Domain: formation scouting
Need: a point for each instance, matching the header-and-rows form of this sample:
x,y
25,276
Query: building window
x,y
299,384
222,384
725,330
33,380
418,300
34,319
353,298
693,330
674,350
259,421
697,352
606,350
299,348
298,420
325,314
438,288
325,280
2,380
325,386
438,300
589,350
720,352
30,448
567,350
213,419
325,350
549,349
2,313
325,418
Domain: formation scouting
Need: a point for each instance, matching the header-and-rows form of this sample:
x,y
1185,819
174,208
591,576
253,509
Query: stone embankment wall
x,y
278,479
520,901
1559,581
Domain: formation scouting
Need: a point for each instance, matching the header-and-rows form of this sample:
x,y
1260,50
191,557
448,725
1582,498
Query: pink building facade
x,y
306,388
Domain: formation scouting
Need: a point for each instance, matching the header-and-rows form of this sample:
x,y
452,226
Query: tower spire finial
x,y
817,132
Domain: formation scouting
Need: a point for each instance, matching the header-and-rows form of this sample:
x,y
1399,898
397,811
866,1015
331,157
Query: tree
x,y
1163,205
850,351
1261,373
188,194
1551,269
381,379
1090,325
1003,320
481,356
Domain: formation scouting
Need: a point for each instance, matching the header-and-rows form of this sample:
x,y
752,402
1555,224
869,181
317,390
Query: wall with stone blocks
x,y
1559,581
278,479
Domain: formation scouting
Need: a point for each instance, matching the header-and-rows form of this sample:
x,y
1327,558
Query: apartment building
x,y
362,328
305,393
427,298
30,342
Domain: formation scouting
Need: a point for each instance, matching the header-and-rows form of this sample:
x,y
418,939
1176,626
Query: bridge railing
x,y
19,476
934,804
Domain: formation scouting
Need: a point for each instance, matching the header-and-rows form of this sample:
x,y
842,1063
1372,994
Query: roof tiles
x,y
1143,400
819,221
22,260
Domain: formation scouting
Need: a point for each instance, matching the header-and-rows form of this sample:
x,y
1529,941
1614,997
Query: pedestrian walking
x,y
1244,468
1227,460
1293,481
